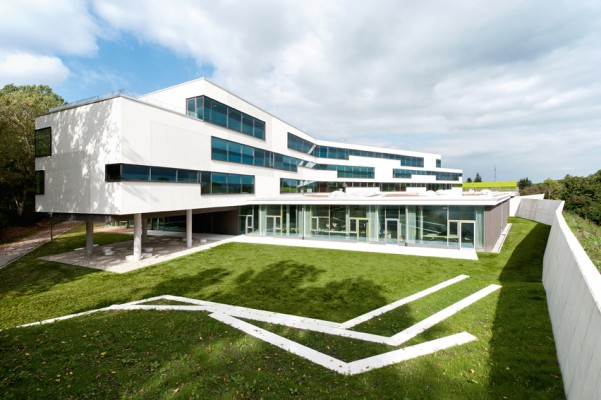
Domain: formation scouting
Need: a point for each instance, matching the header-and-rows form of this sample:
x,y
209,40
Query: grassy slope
x,y
588,234
180,354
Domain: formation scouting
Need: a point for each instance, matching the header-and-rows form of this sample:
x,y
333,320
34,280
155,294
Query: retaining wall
x,y
573,287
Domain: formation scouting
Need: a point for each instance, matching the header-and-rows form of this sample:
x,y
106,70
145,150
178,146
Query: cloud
x,y
470,79
27,69
34,34
47,27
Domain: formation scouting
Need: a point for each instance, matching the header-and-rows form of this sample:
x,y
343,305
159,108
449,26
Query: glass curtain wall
x,y
436,226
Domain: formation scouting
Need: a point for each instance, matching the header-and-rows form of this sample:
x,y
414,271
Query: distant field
x,y
178,354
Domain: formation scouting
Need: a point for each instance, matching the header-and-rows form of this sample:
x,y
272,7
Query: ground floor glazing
x,y
445,226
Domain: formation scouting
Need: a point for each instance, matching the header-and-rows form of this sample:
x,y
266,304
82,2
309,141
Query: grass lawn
x,y
178,354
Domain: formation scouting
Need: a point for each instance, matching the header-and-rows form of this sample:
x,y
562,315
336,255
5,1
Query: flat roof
x,y
389,198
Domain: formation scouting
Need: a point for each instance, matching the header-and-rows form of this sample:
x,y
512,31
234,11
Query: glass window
x,y
163,174
200,107
187,175
248,155
112,172
43,142
259,129
191,107
135,172
218,113
234,152
248,124
218,149
279,161
260,158
248,184
205,182
234,119
218,183
39,182
207,106
233,183
462,213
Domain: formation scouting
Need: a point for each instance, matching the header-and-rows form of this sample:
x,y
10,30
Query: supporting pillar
x,y
188,228
89,238
137,237
144,230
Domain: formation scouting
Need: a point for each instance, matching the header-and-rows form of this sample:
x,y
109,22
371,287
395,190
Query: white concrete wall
x,y
573,287
84,139
539,210
515,202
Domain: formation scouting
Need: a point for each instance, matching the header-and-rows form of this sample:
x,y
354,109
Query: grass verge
x,y
588,234
169,354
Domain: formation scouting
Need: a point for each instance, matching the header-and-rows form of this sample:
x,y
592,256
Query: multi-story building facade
x,y
198,157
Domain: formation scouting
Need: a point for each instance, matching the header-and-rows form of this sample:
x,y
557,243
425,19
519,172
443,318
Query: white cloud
x,y
463,78
27,69
47,27
35,33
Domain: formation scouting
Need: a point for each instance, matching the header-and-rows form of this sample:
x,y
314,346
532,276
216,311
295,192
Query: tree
x,y
469,180
19,106
583,195
524,183
478,178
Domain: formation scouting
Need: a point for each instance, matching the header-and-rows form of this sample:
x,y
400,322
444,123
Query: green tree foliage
x,y
524,183
19,106
583,195
478,178
469,180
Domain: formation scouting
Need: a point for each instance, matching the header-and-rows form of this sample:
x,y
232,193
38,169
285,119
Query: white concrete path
x,y
231,315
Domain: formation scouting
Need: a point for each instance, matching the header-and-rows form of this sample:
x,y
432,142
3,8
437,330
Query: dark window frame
x,y
40,182
38,140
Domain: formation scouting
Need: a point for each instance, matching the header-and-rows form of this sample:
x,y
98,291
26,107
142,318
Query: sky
x,y
507,89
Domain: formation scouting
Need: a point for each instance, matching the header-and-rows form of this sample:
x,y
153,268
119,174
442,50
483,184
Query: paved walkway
x,y
12,251
159,247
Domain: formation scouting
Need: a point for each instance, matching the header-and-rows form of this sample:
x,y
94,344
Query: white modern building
x,y
198,158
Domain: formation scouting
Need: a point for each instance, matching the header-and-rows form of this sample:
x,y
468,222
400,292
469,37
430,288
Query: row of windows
x,y
209,110
225,150
307,147
43,142
300,186
440,176
211,182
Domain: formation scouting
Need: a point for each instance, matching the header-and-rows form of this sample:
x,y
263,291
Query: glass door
x,y
274,225
360,228
461,234
391,231
249,225
467,235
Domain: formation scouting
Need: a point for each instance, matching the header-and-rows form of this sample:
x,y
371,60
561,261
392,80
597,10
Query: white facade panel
x,y
155,131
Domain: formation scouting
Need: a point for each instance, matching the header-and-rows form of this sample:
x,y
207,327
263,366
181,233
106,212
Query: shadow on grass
x,y
285,286
522,348
40,276
30,275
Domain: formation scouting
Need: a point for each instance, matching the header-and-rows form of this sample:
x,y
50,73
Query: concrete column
x,y
137,237
188,228
89,238
144,230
